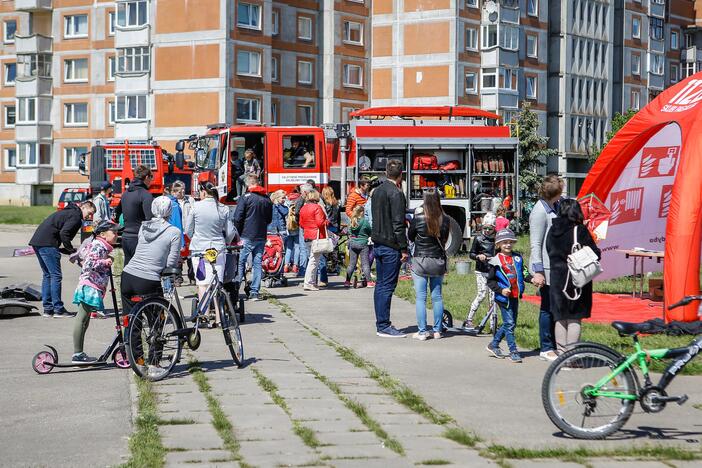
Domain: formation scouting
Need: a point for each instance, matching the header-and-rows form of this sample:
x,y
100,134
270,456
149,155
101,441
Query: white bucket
x,y
463,268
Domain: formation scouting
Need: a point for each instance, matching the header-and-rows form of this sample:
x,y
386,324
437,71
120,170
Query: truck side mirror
x,y
180,146
179,157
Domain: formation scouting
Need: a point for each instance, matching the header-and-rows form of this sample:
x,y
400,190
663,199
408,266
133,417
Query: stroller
x,y
271,264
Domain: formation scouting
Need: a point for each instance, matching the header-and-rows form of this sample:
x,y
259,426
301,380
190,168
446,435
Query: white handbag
x,y
322,246
583,267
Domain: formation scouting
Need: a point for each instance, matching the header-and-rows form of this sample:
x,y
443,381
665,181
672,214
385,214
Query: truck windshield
x,y
207,152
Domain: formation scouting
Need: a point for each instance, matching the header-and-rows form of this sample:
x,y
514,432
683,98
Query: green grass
x,y
461,436
145,447
459,291
437,461
24,214
176,422
580,453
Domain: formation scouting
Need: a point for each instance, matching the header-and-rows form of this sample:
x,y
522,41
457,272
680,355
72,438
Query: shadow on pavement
x,y
647,432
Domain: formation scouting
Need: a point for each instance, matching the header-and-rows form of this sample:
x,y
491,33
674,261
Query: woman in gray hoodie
x,y
158,248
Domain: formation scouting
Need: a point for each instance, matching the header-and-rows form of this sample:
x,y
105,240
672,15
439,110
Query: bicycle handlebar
x,y
685,301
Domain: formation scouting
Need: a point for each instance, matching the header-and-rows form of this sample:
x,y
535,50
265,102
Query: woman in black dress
x,y
568,313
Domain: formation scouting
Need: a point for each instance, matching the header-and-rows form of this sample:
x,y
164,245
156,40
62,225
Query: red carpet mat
x,y
608,308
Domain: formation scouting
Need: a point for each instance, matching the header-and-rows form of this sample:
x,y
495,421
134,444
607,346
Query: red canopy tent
x,y
650,177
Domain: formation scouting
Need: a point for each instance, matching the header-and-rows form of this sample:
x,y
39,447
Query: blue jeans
x,y
387,265
546,322
509,322
50,263
292,249
323,275
254,248
304,254
437,302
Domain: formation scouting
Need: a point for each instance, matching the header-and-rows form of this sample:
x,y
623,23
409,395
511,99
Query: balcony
x,y
34,175
689,55
31,86
33,5
132,37
132,130
132,83
34,44
41,131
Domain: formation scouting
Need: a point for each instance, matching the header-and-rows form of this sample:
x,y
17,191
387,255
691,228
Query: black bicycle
x,y
589,392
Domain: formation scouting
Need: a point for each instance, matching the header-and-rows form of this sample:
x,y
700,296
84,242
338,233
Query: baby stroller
x,y
272,262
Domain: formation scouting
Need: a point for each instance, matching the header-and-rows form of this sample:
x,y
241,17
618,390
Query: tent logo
x,y
626,206
666,197
686,99
659,161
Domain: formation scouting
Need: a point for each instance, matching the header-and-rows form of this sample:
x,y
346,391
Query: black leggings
x,y
129,245
134,286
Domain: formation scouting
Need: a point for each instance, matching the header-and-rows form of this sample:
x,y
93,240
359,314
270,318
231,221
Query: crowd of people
x,y
155,232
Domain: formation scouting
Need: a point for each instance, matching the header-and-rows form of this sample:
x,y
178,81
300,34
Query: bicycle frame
x,y
684,355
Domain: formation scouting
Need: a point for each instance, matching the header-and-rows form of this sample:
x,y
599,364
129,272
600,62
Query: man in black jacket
x,y
388,205
253,214
135,205
53,236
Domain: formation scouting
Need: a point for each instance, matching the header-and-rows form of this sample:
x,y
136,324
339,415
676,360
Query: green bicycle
x,y
590,391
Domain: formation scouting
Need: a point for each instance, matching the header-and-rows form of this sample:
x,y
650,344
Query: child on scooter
x,y
92,283
482,250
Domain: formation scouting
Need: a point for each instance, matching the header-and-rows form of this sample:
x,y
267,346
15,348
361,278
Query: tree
x,y
533,150
618,121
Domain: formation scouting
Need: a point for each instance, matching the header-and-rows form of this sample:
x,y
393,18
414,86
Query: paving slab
x,y
190,437
201,456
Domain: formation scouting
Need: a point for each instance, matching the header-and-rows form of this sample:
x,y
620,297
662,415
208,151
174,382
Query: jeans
x,y
356,251
546,325
254,248
292,249
304,253
50,263
312,264
437,302
387,264
322,268
509,322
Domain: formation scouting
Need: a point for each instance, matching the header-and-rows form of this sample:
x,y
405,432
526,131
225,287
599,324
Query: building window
x,y
674,73
75,114
132,107
304,28
689,40
132,14
656,64
248,16
471,39
274,113
10,116
111,67
353,32
509,37
635,100
71,156
10,74
304,115
9,30
532,42
471,83
674,40
689,69
111,112
656,29
636,65
533,7
472,3
75,70
10,158
275,22
304,72
636,27
27,110
275,64
353,75
133,60
489,78
531,87
247,110
27,154
604,54
507,76
75,26
111,16
34,65
489,36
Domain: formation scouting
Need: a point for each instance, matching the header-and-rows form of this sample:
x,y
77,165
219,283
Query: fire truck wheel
x,y
455,240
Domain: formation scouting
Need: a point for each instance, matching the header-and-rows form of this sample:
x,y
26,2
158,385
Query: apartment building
x,y
576,62
76,72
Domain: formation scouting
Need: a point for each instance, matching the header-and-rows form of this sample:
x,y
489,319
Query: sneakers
x,y
495,351
347,284
82,358
370,284
255,298
468,324
295,269
548,356
515,357
437,335
93,315
286,269
310,287
47,313
63,313
421,336
321,284
390,332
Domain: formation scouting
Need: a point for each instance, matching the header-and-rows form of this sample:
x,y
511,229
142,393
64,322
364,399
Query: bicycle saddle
x,y
630,329
171,272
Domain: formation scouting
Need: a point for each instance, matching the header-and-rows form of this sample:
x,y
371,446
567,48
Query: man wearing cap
x,y
102,204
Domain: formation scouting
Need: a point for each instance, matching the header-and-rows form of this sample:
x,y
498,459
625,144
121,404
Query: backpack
x,y
450,166
291,222
424,162
583,267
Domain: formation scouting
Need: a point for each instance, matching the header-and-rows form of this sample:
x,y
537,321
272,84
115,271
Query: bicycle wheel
x,y
153,347
578,415
230,329
493,318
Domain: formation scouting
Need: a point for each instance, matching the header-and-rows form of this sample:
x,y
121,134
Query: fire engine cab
x,y
461,151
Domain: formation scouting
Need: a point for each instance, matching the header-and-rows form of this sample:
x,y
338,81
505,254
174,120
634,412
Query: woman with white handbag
x,y
574,259
313,222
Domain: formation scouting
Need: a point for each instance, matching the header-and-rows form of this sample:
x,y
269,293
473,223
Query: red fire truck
x,y
461,151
